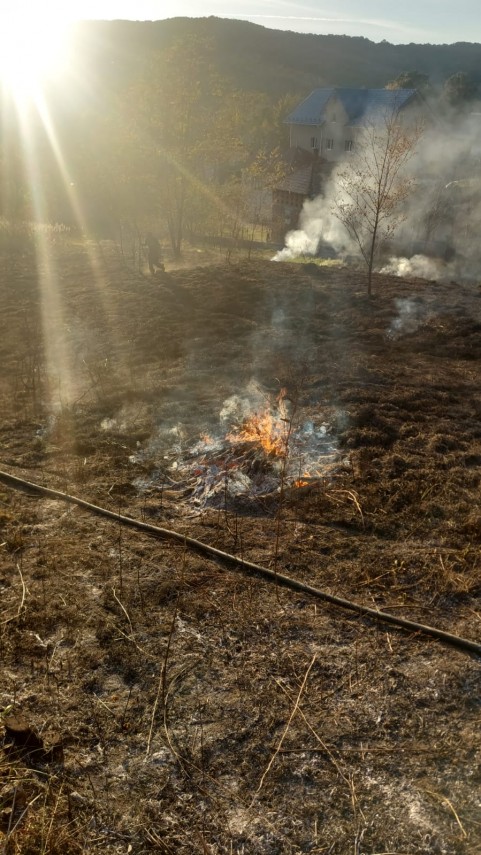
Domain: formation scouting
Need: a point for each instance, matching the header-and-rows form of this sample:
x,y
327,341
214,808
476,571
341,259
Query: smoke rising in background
x,y
317,224
411,314
418,266
439,238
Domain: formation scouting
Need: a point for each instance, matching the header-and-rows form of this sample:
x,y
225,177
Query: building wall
x,y
330,138
334,138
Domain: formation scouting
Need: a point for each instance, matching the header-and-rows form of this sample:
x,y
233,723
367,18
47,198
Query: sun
x,y
34,48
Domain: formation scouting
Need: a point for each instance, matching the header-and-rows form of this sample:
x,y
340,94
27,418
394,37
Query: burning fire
x,y
265,453
304,480
268,430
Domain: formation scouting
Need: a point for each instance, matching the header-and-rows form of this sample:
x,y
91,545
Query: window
x,y
314,142
330,144
334,117
348,145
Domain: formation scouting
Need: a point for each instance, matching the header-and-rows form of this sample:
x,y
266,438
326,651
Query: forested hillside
x,y
164,124
273,61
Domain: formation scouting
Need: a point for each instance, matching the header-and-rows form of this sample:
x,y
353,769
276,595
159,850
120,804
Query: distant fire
x,y
267,429
304,481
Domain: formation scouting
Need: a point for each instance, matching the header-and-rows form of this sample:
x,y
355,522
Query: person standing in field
x,y
154,254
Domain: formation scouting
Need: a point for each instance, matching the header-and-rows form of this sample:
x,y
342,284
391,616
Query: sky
x,y
421,21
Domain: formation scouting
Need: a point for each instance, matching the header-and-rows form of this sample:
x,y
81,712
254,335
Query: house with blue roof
x,y
328,121
327,127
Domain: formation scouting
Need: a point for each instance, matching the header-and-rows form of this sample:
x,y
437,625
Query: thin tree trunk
x,y
371,256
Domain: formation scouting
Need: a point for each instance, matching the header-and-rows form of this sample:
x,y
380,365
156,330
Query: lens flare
x,y
34,48
37,72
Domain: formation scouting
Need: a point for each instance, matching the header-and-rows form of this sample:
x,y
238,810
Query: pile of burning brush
x,y
264,453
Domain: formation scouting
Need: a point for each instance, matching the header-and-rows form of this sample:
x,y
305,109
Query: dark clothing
x,y
154,253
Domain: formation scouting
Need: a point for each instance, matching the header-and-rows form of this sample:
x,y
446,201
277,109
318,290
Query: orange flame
x,y
266,429
304,481
307,479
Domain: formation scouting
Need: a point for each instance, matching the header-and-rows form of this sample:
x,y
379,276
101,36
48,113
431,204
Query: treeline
x,y
178,126
272,61
176,149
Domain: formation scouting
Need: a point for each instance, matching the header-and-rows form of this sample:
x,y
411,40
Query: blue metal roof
x,y
359,104
310,111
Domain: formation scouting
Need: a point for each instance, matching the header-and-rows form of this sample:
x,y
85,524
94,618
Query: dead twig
x,y
286,729
353,498
451,807
124,611
347,780
22,600
162,683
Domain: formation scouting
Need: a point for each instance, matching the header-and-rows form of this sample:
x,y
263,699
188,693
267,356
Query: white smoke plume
x,y
411,315
236,408
316,223
418,266
439,236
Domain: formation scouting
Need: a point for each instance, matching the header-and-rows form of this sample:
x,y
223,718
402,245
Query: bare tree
x,y
374,183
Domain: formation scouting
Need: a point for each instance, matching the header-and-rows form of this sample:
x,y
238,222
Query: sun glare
x,y
34,48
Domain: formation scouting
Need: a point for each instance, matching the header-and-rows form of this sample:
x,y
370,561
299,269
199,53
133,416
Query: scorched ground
x,y
179,707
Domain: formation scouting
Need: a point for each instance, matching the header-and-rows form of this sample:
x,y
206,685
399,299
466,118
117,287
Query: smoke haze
x,y
438,238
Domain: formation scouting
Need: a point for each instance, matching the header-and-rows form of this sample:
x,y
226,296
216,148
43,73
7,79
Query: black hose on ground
x,y
247,567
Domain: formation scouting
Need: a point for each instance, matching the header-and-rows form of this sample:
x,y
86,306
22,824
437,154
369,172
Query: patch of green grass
x,y
319,262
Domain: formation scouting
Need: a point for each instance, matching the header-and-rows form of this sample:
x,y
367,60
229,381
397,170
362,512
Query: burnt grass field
x,y
155,700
